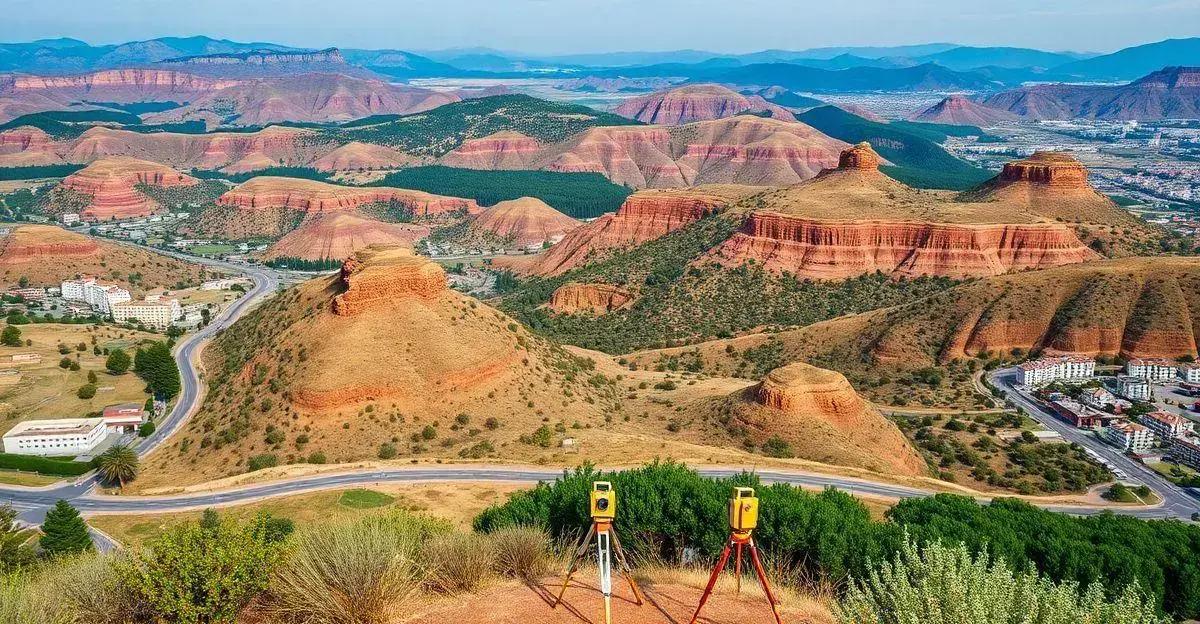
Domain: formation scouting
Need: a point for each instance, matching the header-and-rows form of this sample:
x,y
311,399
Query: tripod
x,y
607,545
737,541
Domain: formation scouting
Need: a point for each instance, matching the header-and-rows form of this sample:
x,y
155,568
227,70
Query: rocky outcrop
x,y
263,57
824,419
526,222
860,157
313,196
41,243
314,97
114,85
356,156
692,103
1050,169
26,146
738,150
958,110
645,216
342,234
506,149
830,249
376,277
592,299
232,152
110,183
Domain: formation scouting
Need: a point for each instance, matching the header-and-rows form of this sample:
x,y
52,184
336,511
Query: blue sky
x,y
560,26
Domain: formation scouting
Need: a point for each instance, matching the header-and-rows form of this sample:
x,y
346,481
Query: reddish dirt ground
x,y
513,603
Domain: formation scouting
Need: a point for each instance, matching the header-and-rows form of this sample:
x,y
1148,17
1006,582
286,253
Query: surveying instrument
x,y
603,508
743,518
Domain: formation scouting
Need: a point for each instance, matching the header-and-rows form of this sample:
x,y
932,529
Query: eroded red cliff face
x,y
114,85
367,284
314,196
1049,169
26,146
691,103
643,217
830,249
503,150
593,299
111,184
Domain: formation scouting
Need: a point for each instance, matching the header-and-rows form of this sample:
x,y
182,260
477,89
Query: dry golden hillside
x,y
45,255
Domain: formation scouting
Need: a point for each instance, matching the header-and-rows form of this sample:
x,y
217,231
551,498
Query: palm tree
x,y
118,464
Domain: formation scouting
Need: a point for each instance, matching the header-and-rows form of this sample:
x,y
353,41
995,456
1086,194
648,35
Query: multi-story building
x,y
157,313
67,436
1098,398
1186,450
72,290
1153,369
1133,388
100,296
1129,437
1042,371
69,218
1076,413
1189,371
28,294
1168,426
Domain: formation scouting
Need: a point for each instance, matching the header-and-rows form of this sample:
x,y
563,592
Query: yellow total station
x,y
743,510
603,501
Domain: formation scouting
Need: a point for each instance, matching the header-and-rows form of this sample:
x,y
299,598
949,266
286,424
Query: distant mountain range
x,y
914,67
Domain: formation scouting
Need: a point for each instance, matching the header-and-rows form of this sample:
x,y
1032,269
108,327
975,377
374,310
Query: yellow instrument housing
x,y
603,501
743,509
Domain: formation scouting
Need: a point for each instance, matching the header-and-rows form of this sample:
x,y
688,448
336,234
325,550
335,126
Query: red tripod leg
x,y
624,563
762,578
712,580
737,567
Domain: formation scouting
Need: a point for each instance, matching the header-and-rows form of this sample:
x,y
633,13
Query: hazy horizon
x,y
553,27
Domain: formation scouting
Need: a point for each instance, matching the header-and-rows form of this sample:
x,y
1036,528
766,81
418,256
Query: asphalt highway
x,y
33,502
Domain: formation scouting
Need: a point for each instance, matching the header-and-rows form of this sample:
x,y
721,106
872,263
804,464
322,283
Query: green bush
x,y
259,462
11,337
118,362
195,574
44,465
941,584
86,391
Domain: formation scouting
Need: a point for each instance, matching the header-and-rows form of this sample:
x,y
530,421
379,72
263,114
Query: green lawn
x,y
364,499
211,250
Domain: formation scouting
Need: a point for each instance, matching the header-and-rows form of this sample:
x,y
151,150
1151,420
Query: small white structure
x,y
1153,369
1190,372
1133,388
1168,426
219,284
27,358
67,436
1128,436
123,418
1042,371
69,218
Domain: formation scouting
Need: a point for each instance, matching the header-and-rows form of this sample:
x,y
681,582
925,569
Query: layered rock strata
x,y
313,196
592,299
111,183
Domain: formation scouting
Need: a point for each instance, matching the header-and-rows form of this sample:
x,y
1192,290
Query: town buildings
x,y
1189,371
1152,369
1077,413
67,436
1099,398
154,311
1128,436
1133,388
28,294
100,296
123,418
1186,450
1167,426
1042,371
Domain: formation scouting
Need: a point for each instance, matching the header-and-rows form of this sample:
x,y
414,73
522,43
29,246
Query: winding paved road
x,y
33,502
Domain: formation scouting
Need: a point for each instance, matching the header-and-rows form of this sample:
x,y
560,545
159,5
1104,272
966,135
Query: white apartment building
x,y
1098,398
1153,369
67,436
69,218
1168,426
100,296
1056,368
1186,450
156,313
1190,372
1133,388
1128,436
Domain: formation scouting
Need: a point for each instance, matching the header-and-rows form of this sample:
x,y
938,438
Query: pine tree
x,y
64,532
156,365
118,362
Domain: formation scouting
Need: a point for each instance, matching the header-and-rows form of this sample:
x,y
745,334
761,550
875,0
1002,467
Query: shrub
x,y
197,574
522,552
457,562
942,584
776,446
44,465
86,391
147,429
387,450
11,337
351,572
89,587
258,462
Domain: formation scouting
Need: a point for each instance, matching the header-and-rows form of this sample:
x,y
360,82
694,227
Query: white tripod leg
x,y
604,559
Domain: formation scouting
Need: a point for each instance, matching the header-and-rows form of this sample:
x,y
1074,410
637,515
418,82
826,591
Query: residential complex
x,y
1042,371
100,296
1186,450
1129,437
1077,413
1133,388
1190,372
1153,369
154,311
1167,426
67,436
